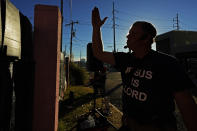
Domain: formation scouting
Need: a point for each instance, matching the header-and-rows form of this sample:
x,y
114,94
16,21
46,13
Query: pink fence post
x,y
47,38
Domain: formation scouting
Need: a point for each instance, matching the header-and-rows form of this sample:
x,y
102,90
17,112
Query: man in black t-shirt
x,y
151,81
148,86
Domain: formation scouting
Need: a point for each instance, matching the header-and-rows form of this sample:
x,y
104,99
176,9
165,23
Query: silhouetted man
x,y
151,81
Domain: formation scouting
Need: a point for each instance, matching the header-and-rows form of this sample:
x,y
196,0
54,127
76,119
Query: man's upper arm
x,y
107,57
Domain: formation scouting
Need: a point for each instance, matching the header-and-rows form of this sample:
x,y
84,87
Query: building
x,y
183,45
177,42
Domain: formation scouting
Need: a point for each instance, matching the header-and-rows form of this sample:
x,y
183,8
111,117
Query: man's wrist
x,y
96,28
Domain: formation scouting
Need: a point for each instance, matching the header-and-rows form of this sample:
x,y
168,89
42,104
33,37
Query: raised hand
x,y
96,19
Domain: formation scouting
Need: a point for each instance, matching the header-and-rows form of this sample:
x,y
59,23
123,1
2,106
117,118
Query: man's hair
x,y
148,28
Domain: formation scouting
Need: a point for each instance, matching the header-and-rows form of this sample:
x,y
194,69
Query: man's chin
x,y
131,48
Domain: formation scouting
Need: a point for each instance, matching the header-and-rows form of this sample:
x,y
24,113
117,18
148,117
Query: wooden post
x,y
47,38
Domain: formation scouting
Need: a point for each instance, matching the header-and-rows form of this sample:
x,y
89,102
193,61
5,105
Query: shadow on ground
x,y
113,89
70,104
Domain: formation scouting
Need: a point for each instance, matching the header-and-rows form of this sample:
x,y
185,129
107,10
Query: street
x,y
114,88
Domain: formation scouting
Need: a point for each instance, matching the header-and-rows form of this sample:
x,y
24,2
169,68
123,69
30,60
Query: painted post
x,y
47,38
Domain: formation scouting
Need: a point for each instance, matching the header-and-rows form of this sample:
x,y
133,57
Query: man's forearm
x,y
188,109
97,42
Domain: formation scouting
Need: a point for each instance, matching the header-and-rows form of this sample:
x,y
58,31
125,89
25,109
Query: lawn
x,y
82,103
70,109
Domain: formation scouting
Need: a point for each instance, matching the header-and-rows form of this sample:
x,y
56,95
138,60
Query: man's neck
x,y
141,52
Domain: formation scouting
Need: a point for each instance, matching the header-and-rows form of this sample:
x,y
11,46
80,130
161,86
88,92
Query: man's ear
x,y
148,39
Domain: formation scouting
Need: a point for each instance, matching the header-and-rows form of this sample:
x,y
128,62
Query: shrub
x,y
78,75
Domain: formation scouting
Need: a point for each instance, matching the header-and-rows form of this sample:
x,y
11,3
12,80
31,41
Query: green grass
x,y
82,104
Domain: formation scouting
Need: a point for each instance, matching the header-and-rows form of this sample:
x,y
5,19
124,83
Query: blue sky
x,y
159,12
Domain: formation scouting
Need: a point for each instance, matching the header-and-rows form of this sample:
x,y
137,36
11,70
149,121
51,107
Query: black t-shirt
x,y
149,84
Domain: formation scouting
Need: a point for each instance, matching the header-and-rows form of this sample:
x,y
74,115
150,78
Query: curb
x,y
115,108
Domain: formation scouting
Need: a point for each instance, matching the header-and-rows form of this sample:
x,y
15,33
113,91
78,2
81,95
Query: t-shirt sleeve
x,y
178,78
120,60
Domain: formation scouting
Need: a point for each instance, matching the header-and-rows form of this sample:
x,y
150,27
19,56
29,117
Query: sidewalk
x,y
115,117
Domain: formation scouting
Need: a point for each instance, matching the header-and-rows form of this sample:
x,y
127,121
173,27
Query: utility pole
x,y
65,50
72,33
114,33
80,58
80,54
176,20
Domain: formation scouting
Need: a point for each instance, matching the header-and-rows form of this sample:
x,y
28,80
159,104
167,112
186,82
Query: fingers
x,y
96,17
95,12
96,9
103,21
96,20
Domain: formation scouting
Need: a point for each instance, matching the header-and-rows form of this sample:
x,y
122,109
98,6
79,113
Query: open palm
x,y
96,19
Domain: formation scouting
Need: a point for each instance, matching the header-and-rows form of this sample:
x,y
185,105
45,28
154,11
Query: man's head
x,y
141,34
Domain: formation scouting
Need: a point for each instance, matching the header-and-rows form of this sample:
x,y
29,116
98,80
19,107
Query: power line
x,y
187,26
142,17
123,20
